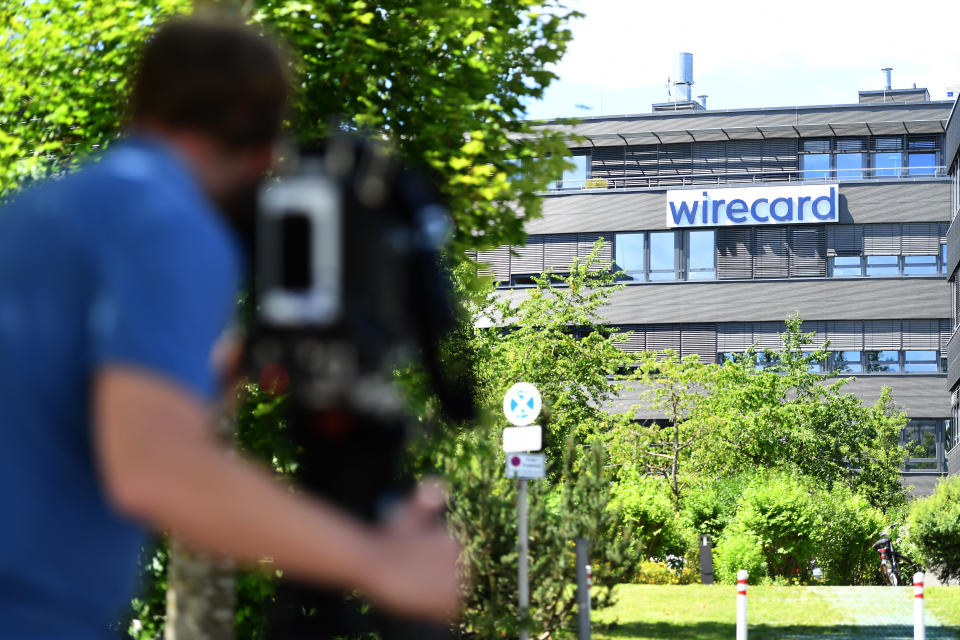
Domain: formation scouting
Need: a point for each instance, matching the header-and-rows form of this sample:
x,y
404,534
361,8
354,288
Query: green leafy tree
x,y
934,526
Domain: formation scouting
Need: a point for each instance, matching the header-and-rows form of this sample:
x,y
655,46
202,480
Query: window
x,y
920,362
815,166
881,266
663,256
847,362
767,360
882,361
523,280
887,164
846,267
943,259
629,256
576,177
813,366
849,166
920,265
921,436
922,156
701,255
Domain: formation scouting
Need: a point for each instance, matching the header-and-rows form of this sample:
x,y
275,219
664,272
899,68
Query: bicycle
x,y
897,568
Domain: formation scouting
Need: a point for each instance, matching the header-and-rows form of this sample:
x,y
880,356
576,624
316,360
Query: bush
x,y
934,526
709,506
777,510
654,572
847,525
738,550
646,509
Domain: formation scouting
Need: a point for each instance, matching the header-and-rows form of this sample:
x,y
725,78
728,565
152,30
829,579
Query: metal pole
x,y
741,605
523,570
583,589
919,629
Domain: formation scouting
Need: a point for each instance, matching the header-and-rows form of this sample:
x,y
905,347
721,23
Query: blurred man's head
x,y
217,90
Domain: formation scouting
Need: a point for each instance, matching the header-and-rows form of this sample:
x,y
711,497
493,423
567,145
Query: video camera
x,y
347,284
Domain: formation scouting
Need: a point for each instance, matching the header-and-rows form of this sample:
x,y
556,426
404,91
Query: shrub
x,y
934,526
709,506
654,572
778,511
646,509
738,550
846,527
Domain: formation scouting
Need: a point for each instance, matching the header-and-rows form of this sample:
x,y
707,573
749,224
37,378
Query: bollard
x,y
706,560
584,575
741,605
919,630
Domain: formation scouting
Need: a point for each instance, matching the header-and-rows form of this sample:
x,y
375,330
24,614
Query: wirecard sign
x,y
746,206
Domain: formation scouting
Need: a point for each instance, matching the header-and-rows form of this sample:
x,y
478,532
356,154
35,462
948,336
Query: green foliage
x,y
65,71
656,572
148,611
645,507
777,510
445,81
934,526
710,505
739,550
847,525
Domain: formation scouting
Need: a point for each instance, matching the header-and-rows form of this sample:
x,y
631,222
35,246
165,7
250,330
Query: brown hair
x,y
216,76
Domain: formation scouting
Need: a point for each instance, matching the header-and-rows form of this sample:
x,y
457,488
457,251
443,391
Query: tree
x,y
783,413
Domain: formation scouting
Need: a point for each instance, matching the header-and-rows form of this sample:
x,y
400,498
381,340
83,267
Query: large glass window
x,y
880,266
847,362
887,164
576,177
921,437
846,267
629,255
920,362
815,166
701,255
849,166
882,361
920,265
663,256
922,156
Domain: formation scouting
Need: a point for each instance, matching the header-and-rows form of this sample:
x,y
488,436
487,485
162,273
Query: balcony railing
x,y
813,175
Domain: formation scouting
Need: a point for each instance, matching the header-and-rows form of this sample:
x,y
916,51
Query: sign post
x,y
521,406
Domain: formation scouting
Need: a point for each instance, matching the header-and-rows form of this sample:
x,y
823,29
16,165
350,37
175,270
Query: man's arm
x,y
160,463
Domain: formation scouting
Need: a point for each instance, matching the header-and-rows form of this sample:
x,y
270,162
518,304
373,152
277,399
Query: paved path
x,y
880,613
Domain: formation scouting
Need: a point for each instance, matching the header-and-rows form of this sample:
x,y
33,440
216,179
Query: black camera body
x,y
347,284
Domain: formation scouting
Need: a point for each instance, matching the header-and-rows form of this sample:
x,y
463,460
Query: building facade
x,y
723,223
952,161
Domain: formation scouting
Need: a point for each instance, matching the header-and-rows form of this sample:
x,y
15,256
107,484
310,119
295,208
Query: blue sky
x,y
751,54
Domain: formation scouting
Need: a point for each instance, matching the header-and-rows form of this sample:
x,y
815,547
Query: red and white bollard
x,y
919,629
741,605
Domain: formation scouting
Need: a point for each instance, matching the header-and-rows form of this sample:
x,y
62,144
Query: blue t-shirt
x,y
125,262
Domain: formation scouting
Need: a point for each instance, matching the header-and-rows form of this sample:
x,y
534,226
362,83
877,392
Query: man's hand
x,y
415,566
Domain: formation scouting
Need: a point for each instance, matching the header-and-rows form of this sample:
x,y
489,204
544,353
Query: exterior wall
x,y
951,156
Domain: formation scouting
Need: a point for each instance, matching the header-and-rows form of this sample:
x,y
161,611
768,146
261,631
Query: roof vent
x,y
886,78
679,87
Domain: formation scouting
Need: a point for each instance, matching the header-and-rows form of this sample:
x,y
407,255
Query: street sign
x,y
526,466
517,439
521,404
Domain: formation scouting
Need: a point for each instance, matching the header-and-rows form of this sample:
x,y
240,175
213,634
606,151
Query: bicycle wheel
x,y
906,568
890,575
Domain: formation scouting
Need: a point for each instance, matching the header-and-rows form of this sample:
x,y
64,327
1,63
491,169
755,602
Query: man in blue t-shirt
x,y
116,285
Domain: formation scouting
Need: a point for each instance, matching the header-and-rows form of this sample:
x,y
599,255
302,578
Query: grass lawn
x,y
775,613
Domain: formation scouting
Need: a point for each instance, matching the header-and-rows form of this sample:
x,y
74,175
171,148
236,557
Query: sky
x,y
751,54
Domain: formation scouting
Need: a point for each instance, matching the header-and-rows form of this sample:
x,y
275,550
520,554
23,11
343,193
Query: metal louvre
x,y
849,144
674,159
585,242
819,330
641,161
636,339
497,263
528,258
955,290
879,335
767,334
734,336
944,227
744,156
770,259
921,238
608,162
699,339
663,336
559,251
922,335
881,239
734,254
946,329
807,253
845,335
709,157
844,240
779,155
